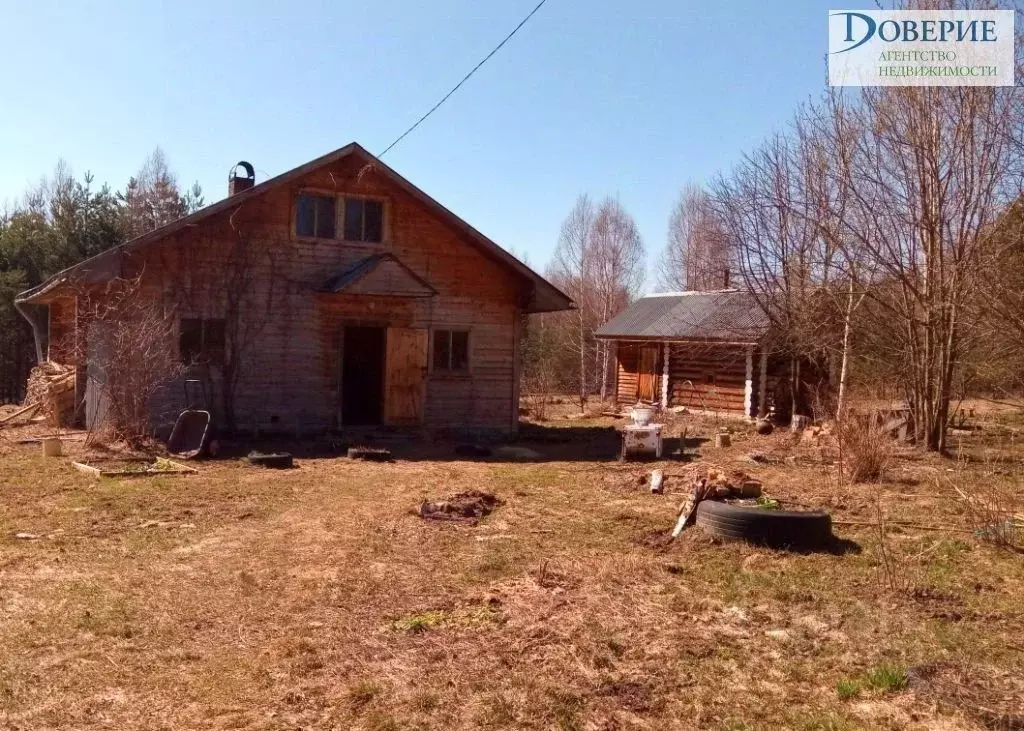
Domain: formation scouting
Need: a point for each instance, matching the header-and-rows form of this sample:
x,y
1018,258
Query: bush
x,y
866,449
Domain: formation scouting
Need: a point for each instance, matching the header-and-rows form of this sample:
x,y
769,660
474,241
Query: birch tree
x,y
696,254
571,269
617,271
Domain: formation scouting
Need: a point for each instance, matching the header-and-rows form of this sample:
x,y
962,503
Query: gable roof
x,y
545,297
726,316
379,274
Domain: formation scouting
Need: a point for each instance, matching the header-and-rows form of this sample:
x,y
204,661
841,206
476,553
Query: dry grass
x,y
867,449
248,599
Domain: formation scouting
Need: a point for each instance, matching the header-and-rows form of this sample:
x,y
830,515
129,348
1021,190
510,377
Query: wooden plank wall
x,y
292,366
627,371
62,346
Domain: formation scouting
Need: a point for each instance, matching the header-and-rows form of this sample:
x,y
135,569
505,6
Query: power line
x,y
464,79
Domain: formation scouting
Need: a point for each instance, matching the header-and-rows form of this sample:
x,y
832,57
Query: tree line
x,y
62,220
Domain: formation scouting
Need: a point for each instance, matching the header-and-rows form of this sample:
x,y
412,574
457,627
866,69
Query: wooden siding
x,y
290,372
62,343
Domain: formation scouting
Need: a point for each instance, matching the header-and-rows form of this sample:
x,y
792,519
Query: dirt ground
x,y
316,597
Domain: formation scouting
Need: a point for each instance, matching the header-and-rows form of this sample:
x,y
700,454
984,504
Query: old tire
x,y
775,528
279,461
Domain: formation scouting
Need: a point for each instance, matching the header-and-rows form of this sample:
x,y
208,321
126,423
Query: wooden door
x,y
405,375
647,389
99,337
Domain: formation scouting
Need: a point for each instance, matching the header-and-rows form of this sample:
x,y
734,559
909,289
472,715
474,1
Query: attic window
x,y
314,216
364,220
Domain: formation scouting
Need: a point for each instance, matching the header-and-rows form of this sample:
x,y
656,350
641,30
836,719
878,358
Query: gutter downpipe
x,y
35,330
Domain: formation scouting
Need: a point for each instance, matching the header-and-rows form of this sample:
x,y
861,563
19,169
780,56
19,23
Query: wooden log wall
x,y
692,368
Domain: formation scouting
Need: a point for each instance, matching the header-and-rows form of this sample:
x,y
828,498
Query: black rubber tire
x,y
775,528
280,461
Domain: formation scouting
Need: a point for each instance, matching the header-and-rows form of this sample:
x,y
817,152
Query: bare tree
x,y
152,197
571,268
696,255
617,271
775,208
136,337
233,274
931,169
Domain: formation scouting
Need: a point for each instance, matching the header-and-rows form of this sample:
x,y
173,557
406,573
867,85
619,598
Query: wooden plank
x,y
648,376
27,412
87,469
405,375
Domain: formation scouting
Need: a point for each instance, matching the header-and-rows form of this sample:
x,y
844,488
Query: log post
x,y
748,384
664,376
762,386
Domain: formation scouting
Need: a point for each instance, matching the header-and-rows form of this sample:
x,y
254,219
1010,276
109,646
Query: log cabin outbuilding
x,y
336,294
700,350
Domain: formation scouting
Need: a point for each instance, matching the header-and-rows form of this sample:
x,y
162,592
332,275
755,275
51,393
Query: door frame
x,y
654,374
342,325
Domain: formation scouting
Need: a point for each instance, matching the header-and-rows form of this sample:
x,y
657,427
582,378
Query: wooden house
x,y
699,350
335,294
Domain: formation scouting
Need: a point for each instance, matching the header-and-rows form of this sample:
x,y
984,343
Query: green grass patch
x,y
847,689
421,622
885,678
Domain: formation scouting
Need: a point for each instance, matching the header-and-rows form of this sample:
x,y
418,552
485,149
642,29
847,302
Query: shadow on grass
x,y
535,443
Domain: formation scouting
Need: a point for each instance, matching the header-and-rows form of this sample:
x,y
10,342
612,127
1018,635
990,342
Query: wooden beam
x,y
26,412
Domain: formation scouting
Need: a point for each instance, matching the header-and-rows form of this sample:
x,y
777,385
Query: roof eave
x,y
681,339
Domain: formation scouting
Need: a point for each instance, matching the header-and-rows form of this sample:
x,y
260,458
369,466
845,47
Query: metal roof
x,y
726,315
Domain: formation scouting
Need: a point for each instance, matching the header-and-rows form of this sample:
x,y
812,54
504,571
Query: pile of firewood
x,y
52,387
715,484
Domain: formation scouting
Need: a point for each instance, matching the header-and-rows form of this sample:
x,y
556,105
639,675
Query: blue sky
x,y
628,99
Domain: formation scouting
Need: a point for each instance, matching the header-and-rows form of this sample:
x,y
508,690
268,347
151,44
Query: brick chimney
x,y
236,183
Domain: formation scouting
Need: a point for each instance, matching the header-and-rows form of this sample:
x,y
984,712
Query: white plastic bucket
x,y
641,415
